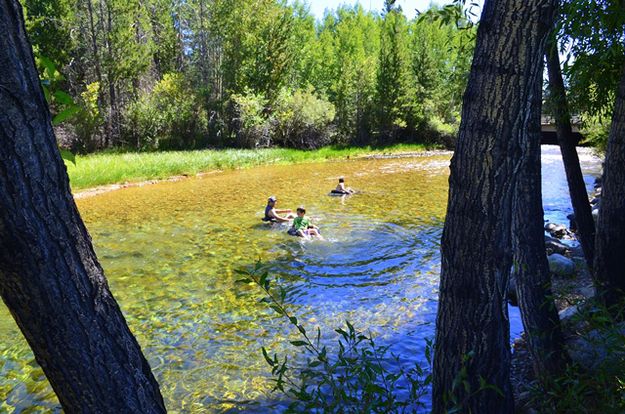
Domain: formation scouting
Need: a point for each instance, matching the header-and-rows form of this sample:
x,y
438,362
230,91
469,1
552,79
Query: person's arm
x,y
272,213
288,210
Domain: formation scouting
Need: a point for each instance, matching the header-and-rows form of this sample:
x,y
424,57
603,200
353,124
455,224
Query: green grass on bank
x,y
113,168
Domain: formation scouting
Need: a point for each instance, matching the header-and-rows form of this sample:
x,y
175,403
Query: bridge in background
x,y
548,130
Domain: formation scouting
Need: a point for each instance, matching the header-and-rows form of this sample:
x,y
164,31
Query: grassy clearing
x,y
113,168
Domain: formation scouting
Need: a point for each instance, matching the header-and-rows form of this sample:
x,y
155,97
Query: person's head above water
x,y
272,200
301,211
341,180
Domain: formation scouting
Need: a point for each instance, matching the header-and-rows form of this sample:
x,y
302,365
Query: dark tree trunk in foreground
x,y
530,266
609,269
476,246
50,278
574,176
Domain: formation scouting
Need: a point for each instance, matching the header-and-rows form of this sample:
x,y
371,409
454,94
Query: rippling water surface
x,y
169,251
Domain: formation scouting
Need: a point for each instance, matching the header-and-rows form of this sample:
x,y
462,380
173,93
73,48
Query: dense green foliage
x,y
215,73
592,32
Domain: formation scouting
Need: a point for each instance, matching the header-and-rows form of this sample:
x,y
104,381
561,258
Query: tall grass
x,y
113,168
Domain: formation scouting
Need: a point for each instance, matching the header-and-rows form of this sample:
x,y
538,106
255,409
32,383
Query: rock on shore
x,y
561,265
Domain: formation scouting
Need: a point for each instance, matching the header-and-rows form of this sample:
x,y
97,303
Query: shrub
x,y
595,381
438,133
595,131
303,120
249,121
89,121
167,117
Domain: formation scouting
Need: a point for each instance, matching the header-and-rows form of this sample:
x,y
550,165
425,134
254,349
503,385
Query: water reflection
x,y
169,251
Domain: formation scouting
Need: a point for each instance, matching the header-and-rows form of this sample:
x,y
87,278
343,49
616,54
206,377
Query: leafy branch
x,y
358,378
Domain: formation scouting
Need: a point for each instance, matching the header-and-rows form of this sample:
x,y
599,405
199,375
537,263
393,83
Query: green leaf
x,y
263,279
63,115
68,155
374,389
350,326
299,343
342,332
64,98
49,67
266,355
277,309
46,91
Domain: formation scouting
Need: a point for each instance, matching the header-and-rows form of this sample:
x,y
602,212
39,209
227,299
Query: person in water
x,y
341,189
272,214
302,226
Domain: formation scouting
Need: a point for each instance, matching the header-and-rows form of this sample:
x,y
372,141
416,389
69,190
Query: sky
x,y
317,7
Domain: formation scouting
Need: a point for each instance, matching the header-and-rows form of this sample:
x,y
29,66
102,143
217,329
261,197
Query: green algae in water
x,y
169,251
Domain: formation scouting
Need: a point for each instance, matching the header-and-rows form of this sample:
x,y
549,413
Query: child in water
x,y
341,189
303,227
272,214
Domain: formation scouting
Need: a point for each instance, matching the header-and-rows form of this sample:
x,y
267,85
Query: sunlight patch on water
x,y
170,250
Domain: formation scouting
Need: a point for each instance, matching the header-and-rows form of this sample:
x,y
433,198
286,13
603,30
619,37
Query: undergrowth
x,y
595,382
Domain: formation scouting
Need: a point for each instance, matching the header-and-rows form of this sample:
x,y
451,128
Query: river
x,y
169,251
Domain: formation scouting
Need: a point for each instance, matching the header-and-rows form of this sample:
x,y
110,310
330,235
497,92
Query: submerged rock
x,y
550,227
559,231
561,266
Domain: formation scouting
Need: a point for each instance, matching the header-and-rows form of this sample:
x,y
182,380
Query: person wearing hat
x,y
272,214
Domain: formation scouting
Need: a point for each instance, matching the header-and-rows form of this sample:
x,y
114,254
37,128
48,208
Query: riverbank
x,y
116,170
592,382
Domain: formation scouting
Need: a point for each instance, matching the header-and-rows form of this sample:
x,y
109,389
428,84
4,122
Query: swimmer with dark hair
x,y
303,227
272,214
341,189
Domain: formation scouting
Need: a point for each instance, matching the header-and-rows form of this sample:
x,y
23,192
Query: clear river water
x,y
169,251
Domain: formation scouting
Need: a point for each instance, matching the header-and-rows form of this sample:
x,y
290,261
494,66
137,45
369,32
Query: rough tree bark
x,y
50,278
609,268
574,176
530,266
476,245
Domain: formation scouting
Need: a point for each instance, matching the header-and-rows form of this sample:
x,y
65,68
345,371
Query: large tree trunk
x,y
472,322
609,269
530,266
50,278
574,177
